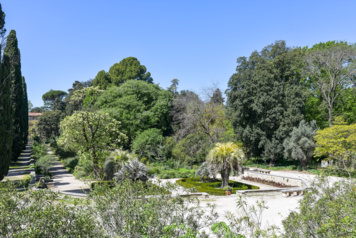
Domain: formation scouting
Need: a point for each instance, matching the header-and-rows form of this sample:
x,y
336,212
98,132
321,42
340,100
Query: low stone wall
x,y
293,182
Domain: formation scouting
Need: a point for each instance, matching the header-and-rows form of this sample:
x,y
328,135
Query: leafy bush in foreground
x,y
327,211
37,213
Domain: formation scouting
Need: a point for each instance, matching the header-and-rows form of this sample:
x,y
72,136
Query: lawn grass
x,y
213,187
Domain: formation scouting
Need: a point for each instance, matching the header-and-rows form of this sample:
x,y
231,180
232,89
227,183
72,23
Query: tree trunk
x,y
330,115
96,164
272,163
225,173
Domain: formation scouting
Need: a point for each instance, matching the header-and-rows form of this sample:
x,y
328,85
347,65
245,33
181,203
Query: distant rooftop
x,y
34,113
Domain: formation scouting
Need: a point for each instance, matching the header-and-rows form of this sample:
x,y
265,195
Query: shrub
x,y
148,144
109,169
109,184
44,164
37,213
38,150
134,170
213,187
70,163
328,210
121,214
64,153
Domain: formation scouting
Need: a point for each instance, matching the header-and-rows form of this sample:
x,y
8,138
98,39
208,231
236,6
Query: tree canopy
x,y
54,100
138,105
128,69
332,66
266,100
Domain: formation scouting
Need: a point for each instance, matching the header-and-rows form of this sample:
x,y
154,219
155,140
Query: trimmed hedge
x,y
213,187
152,189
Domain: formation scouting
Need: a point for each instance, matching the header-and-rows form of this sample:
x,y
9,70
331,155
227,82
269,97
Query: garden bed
x,y
212,187
263,181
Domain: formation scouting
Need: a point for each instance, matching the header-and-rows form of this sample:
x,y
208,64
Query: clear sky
x,y
196,42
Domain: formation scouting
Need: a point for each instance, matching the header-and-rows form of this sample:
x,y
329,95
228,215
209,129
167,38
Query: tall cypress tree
x,y
24,111
6,112
12,61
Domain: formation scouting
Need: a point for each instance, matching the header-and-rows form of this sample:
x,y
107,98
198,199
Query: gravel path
x,y
65,182
279,207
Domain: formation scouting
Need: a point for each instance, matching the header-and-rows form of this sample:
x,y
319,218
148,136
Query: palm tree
x,y
224,157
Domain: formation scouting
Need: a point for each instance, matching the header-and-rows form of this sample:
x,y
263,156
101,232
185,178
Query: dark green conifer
x,y
6,112
12,61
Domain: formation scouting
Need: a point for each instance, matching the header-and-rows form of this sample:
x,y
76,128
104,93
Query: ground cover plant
x,y
213,187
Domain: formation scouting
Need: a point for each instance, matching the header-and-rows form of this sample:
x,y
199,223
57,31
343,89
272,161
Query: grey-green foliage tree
x,y
266,100
138,105
54,100
128,69
12,60
300,144
149,144
48,124
6,110
332,68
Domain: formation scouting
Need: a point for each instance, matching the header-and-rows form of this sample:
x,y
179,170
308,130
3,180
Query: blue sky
x,y
196,42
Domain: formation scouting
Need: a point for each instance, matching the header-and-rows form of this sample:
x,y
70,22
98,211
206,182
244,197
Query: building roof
x,y
34,114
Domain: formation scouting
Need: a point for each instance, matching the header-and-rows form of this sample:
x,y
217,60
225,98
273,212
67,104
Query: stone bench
x,y
263,171
290,192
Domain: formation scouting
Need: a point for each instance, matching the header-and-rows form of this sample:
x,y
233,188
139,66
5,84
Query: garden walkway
x,y
65,182
20,169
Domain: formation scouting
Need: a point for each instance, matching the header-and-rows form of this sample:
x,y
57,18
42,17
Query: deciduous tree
x,y
332,67
337,142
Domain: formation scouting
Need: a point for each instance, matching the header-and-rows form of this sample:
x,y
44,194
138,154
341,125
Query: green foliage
x,y
139,106
214,186
85,167
122,214
108,184
328,210
43,164
266,99
38,150
347,105
76,105
90,132
6,111
148,144
12,65
223,230
331,67
300,145
173,173
54,100
337,142
128,69
48,124
70,163
192,149
38,213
